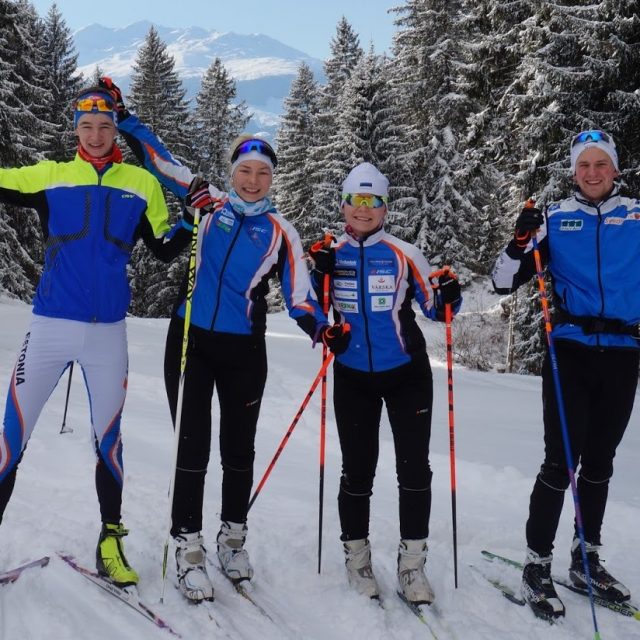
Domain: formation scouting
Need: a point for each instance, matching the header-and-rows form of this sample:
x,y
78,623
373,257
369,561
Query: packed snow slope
x,y
498,451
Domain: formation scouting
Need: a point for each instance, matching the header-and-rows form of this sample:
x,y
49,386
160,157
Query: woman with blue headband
x,y
243,242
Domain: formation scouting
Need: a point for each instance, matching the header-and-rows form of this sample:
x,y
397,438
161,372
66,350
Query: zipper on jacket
x,y
221,277
95,235
363,302
599,268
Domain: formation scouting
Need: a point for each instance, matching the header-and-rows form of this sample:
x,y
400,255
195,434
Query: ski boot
x,y
110,559
359,571
191,559
602,582
232,555
414,586
538,589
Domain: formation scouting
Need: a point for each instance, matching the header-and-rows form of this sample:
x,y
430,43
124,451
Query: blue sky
x,y
308,26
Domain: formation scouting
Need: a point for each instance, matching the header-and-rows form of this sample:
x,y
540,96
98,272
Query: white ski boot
x,y
414,586
359,570
191,560
233,557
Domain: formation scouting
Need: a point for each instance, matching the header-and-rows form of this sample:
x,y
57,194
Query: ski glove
x,y
199,197
323,257
449,288
114,90
336,338
529,221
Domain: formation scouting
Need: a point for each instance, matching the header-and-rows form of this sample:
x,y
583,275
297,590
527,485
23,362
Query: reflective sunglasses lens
x,y
255,145
369,201
88,104
591,136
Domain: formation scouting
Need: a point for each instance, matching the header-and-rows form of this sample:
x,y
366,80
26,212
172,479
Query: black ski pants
x,y
598,390
407,392
237,366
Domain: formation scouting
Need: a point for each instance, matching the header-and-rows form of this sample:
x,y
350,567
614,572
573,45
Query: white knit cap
x,y
589,139
365,178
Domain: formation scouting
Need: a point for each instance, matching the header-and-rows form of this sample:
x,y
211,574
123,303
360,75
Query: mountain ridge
x,y
262,67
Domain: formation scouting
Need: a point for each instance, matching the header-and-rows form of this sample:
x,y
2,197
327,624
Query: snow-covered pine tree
x,y
217,121
428,57
158,99
294,189
60,62
23,97
569,78
371,129
327,165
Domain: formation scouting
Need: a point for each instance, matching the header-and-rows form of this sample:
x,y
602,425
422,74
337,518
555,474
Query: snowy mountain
x,y
498,451
262,67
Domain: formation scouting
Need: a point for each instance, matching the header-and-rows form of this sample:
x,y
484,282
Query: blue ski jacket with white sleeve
x,y
593,253
237,253
372,288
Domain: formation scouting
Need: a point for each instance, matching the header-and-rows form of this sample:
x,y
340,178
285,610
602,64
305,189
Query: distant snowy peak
x,y
262,67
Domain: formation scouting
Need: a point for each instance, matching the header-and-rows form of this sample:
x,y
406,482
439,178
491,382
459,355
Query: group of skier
x,y
94,209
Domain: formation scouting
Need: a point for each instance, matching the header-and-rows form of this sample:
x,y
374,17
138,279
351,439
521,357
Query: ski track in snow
x,y
499,449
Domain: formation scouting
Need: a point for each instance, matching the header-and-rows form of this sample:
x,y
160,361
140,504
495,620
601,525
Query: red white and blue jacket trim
x,y
372,288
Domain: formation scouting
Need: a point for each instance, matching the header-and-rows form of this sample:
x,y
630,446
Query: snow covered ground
x,y
499,449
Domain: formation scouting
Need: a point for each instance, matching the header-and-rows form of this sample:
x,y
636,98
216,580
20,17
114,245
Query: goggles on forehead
x,y
367,200
94,103
591,136
260,146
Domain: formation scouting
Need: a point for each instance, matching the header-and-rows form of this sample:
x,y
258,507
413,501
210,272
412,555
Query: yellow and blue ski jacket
x,y
91,222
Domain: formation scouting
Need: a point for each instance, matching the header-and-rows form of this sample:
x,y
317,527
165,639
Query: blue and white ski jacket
x,y
90,222
593,255
373,285
237,253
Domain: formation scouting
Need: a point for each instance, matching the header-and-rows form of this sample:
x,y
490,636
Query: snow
x,y
498,448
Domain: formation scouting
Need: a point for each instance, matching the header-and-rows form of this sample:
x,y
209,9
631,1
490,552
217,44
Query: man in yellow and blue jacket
x,y
92,211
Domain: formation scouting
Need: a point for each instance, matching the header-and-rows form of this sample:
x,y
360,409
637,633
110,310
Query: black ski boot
x,y
538,589
602,582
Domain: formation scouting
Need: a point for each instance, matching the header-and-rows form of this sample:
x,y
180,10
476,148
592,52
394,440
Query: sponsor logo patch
x,y
345,284
346,307
381,303
381,284
570,225
345,295
344,273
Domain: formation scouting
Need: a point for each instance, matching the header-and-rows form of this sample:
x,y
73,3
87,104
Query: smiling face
x,y
96,133
595,174
252,180
362,220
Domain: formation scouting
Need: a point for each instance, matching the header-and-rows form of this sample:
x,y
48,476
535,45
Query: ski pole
x,y
323,406
191,279
64,428
448,315
287,435
544,303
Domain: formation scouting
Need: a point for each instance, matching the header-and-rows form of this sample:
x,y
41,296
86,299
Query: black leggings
x,y
237,365
408,394
598,390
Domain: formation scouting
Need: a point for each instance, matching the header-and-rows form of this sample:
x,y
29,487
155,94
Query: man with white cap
x,y
375,277
590,243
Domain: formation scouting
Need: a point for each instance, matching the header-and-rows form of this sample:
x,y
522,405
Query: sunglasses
x,y
94,104
255,145
367,200
591,136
